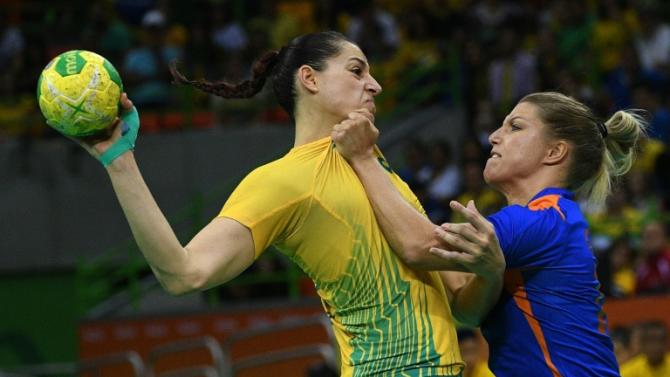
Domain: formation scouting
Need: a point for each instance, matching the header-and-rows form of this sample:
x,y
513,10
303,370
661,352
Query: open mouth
x,y
495,155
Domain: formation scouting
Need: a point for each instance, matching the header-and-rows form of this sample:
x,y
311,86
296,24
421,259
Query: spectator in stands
x,y
375,30
230,41
446,177
483,123
417,168
661,175
12,45
145,72
618,81
653,269
609,37
474,69
653,41
106,33
229,38
618,218
643,195
491,15
512,73
654,360
615,269
621,341
646,97
572,25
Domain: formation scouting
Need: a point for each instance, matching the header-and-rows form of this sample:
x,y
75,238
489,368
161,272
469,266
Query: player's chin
x,y
489,173
371,106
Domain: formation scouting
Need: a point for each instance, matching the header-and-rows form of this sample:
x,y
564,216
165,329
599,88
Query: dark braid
x,y
262,68
310,49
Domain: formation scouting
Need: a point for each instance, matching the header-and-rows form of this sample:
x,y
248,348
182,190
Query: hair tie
x,y
603,129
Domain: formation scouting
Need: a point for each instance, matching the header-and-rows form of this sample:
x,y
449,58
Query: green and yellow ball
x,y
78,93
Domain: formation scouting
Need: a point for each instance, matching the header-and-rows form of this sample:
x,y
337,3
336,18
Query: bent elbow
x,y
176,289
179,286
416,256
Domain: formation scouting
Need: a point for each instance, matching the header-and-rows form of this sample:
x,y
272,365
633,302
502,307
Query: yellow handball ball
x,y
78,93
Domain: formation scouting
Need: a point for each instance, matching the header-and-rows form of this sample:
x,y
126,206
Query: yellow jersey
x,y
388,319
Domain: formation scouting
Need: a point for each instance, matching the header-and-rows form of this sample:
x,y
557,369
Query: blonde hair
x,y
601,151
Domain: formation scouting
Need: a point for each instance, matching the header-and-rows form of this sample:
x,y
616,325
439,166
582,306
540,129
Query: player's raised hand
x,y
116,139
356,136
102,140
474,244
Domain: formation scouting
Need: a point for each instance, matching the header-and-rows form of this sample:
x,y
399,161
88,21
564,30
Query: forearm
x,y
409,232
471,302
157,241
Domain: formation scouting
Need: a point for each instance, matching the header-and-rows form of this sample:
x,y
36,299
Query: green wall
x,y
38,318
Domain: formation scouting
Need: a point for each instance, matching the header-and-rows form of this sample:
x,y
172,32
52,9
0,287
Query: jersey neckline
x,y
311,144
563,192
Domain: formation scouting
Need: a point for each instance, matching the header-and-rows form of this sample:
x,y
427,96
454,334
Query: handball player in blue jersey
x,y
549,151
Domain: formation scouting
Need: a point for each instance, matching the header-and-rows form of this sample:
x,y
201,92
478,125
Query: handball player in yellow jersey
x,y
389,319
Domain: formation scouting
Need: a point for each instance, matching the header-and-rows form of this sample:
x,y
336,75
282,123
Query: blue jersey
x,y
549,319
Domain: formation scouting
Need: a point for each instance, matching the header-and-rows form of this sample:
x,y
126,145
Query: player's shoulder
x,y
286,173
279,171
555,203
515,213
548,209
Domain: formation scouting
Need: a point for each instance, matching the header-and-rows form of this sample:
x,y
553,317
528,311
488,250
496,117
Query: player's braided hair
x,y
262,68
310,49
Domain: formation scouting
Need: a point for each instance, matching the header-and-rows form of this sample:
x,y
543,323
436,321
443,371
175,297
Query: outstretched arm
x,y
475,245
218,253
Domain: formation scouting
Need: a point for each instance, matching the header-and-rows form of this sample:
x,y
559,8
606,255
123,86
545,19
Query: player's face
x,y
518,147
346,84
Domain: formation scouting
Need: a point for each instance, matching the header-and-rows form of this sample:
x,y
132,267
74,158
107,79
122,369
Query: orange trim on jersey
x,y
544,202
515,286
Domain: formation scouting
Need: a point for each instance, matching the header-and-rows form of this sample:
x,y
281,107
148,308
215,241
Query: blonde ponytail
x,y
624,130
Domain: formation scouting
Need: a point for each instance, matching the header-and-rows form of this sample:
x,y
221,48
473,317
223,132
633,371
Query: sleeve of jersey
x,y
271,207
528,238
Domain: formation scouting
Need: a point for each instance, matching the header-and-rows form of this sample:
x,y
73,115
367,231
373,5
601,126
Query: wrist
x,y
363,161
123,162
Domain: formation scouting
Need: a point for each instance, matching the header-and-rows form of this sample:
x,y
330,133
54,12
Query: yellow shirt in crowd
x,y
639,367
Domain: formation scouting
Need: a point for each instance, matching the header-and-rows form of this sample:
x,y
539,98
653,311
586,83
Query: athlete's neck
x,y
522,192
313,125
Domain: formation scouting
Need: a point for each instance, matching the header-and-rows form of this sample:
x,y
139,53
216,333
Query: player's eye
x,y
357,71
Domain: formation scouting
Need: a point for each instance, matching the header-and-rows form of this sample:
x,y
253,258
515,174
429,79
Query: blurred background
x,y
76,296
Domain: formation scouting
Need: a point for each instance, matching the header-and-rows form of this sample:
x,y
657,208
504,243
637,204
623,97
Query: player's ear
x,y
557,152
307,78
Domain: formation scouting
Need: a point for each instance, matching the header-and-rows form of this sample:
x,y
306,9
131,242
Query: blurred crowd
x,y
479,55
640,349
